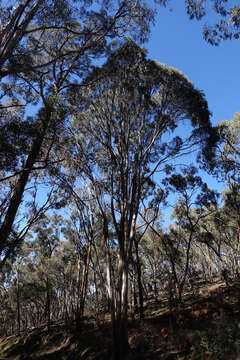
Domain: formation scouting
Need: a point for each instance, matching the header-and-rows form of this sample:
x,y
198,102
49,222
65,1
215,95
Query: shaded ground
x,y
207,327
61,343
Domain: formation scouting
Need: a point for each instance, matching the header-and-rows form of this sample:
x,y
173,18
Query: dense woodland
x,y
97,142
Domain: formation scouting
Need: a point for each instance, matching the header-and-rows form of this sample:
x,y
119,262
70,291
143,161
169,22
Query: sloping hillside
x,y
206,327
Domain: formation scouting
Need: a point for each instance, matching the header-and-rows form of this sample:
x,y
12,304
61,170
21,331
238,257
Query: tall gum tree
x,y
126,121
228,169
229,154
22,19
47,50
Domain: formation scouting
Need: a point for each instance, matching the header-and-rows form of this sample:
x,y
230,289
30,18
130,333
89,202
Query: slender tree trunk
x,y
18,308
77,315
48,304
85,281
110,291
78,276
155,285
17,196
97,296
82,294
134,301
139,280
120,341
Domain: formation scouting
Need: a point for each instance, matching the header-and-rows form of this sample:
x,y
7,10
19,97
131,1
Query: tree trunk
x,y
120,345
97,308
17,196
12,34
85,281
133,300
139,280
155,286
82,294
48,304
18,308
77,315
120,328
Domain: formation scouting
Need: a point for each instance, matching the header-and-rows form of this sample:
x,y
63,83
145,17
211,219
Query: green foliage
x,y
15,139
130,84
221,341
229,156
98,138
228,27
45,50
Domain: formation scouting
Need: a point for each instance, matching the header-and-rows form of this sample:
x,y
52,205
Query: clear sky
x,y
177,41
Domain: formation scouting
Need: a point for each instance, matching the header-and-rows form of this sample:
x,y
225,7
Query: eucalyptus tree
x,y
211,247
46,240
88,20
15,18
125,125
19,20
39,288
228,12
81,230
155,274
20,295
228,221
228,27
44,51
195,204
229,154
176,245
64,275
149,252
228,169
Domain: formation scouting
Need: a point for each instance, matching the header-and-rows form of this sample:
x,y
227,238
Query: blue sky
x,y
177,41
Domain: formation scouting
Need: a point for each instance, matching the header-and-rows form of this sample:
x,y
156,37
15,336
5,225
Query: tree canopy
x,y
228,27
97,143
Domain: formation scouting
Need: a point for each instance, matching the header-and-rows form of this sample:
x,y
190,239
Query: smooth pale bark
x,y
109,287
120,324
120,328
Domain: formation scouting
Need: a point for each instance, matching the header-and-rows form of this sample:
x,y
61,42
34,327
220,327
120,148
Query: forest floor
x,y
206,327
